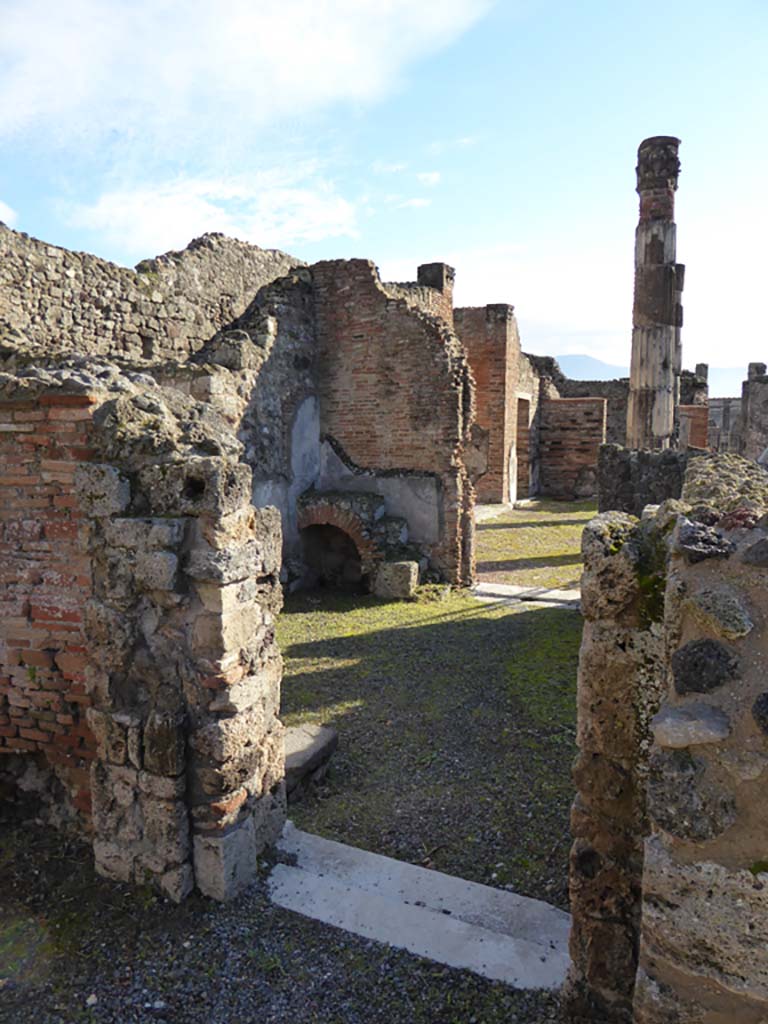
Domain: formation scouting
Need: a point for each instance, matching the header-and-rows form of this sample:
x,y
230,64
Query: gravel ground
x,y
537,545
74,948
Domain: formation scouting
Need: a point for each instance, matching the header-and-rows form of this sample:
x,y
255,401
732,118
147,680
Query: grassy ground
x,y
456,724
534,546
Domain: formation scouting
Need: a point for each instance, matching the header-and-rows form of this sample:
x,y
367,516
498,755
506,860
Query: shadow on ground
x,y
456,725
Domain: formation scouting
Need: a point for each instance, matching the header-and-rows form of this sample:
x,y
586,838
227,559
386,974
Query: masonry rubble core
x,y
180,443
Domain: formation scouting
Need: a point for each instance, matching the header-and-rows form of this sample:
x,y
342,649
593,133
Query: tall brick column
x,y
657,315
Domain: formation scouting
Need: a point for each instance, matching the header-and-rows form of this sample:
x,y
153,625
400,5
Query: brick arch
x,y
326,514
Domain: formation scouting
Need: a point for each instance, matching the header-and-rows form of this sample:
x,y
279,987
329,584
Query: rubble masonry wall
x,y
668,869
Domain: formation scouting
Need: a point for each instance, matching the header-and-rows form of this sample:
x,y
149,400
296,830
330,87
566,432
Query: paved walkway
x,y
498,934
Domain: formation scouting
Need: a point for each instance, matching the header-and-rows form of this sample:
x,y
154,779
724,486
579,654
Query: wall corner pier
x,y
154,616
668,870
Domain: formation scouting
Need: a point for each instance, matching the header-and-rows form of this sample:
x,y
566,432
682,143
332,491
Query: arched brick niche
x,y
341,514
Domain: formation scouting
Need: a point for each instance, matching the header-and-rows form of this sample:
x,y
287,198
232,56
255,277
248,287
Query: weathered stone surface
x,y
697,542
164,744
307,748
201,486
156,570
102,490
682,800
396,581
760,712
757,554
687,725
703,665
609,583
225,865
721,610
719,928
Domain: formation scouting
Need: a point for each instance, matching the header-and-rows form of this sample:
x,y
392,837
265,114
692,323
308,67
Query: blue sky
x,y
498,136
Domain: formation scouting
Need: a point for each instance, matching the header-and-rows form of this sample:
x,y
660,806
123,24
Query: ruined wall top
x,y
168,307
657,170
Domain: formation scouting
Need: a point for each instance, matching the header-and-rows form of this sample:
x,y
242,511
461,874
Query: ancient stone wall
x,y
724,424
396,396
754,412
619,689
571,431
629,480
668,868
168,307
615,392
490,336
173,616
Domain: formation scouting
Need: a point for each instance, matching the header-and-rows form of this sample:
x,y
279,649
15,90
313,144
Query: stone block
x,y
683,801
396,581
308,748
101,490
687,725
163,744
155,570
225,865
197,486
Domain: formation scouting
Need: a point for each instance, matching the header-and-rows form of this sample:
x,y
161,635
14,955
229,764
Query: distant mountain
x,y
724,382
589,368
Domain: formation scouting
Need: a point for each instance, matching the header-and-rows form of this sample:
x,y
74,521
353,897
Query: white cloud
x,y
182,70
272,210
7,215
430,178
382,167
413,204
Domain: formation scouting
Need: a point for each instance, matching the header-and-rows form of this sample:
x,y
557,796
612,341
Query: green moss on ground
x,y
538,545
456,724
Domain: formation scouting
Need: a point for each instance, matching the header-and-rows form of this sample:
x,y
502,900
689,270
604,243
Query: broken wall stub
x,y
678,705
491,338
396,397
753,426
180,669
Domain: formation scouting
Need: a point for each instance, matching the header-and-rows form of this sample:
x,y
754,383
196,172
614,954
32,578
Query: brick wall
x,y
489,334
693,426
570,434
44,583
395,392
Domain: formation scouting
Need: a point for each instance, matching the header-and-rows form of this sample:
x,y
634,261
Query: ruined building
x,y
161,431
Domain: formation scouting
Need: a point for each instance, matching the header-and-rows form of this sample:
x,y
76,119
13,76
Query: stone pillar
x,y
657,313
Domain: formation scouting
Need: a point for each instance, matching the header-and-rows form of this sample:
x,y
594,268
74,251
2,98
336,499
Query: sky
x,y
500,137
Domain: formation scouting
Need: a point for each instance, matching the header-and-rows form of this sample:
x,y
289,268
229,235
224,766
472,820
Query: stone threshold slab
x,y
508,592
498,934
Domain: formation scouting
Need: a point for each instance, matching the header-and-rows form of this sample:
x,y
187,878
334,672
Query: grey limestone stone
x,y
225,865
690,724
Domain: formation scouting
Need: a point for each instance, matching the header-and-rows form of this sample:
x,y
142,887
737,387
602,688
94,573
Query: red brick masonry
x,y
45,581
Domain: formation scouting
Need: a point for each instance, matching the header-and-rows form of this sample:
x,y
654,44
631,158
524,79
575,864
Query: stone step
x,y
308,749
498,934
512,593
